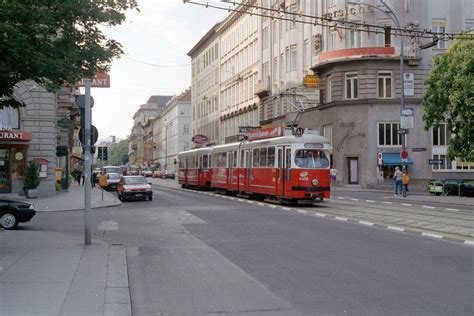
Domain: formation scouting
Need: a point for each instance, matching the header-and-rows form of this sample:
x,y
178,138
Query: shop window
x,y
9,118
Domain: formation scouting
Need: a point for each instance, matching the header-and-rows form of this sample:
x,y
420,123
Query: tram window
x,y
311,158
200,162
205,163
210,160
231,160
235,159
271,157
263,157
242,160
288,159
255,158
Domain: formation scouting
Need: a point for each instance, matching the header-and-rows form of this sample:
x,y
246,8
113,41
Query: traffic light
x,y
102,153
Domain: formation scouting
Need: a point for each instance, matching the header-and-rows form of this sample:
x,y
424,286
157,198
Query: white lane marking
x,y
273,206
431,235
407,204
241,200
153,218
250,202
302,212
260,203
387,202
469,242
452,209
366,223
429,207
396,228
370,201
340,198
320,214
108,225
340,218
286,208
352,199
232,198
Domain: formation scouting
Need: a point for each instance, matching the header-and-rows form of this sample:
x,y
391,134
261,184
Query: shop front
x,y
13,157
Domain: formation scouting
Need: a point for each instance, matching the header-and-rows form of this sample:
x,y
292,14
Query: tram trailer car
x,y
194,168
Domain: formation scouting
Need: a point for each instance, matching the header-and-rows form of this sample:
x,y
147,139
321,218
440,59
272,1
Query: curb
x,y
117,290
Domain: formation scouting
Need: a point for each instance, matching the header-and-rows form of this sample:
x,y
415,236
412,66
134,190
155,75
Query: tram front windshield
x,y
311,158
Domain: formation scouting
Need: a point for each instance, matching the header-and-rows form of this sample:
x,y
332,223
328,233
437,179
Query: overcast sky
x,y
162,34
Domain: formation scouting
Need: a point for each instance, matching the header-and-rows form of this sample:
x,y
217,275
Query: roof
x,y
160,100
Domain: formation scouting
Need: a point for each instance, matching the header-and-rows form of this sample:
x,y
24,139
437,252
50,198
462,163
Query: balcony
x,y
263,89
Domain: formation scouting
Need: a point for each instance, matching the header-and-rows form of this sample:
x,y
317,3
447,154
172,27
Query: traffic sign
x,y
404,154
435,161
94,135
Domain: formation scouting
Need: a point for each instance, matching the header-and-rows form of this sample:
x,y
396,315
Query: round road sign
x,y
404,154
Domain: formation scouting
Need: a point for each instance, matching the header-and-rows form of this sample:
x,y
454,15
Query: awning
x,y
394,159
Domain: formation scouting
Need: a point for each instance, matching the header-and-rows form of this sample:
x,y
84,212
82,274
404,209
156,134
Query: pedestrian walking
x,y
397,176
78,177
405,182
333,173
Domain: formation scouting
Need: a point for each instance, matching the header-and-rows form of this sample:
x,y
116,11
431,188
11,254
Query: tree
x,y
118,153
449,97
55,42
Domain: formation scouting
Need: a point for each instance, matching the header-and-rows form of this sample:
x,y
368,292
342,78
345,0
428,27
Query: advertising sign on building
x,y
199,139
265,133
311,81
409,84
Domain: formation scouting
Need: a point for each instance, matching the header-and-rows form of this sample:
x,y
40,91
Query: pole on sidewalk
x,y
87,163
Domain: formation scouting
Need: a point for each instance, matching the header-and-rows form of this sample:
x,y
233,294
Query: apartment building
x,y
319,64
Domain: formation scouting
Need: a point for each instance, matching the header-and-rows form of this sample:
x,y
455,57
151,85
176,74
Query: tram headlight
x,y
315,182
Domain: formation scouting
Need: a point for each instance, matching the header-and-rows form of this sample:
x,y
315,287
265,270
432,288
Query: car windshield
x,y
135,180
311,158
114,176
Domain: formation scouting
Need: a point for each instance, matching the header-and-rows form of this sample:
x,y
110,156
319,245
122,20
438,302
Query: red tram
x,y
195,168
286,168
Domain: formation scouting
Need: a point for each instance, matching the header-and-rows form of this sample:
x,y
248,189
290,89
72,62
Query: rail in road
x,y
453,224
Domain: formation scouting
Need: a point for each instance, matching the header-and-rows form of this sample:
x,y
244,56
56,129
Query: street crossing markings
x,y
452,209
428,207
320,214
366,223
370,201
352,199
407,204
302,212
340,218
387,203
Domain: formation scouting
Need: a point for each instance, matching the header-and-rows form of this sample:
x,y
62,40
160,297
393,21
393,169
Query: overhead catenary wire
x,y
297,17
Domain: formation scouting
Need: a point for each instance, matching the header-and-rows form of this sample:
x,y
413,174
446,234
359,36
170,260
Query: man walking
x,y
397,176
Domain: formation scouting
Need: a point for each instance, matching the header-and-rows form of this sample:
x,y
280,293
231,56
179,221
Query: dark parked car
x,y
458,187
13,212
134,187
169,175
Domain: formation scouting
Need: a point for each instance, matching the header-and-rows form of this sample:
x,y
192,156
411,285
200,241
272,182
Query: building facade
x,y
351,51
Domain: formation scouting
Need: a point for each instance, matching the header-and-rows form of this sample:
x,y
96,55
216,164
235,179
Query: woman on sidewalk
x,y
405,182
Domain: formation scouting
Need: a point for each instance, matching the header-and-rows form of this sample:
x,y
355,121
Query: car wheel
x,y
150,198
9,220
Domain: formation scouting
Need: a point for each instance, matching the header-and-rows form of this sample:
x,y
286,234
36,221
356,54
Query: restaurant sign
x,y
15,136
199,139
311,81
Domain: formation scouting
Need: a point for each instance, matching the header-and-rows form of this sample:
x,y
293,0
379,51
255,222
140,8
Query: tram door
x,y
284,160
248,170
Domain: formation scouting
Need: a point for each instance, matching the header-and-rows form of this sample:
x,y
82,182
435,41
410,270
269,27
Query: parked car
x,y
458,187
157,174
134,187
112,181
147,173
13,212
169,175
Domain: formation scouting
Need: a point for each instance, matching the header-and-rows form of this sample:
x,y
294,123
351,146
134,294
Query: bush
x,y
32,179
58,187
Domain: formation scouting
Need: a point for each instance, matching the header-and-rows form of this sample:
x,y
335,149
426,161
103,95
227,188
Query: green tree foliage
x,y
55,42
449,97
32,179
118,154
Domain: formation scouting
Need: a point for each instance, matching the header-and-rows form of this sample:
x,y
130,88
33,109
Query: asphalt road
x,y
194,254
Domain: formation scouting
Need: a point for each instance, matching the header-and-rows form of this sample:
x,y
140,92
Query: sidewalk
x,y
47,273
